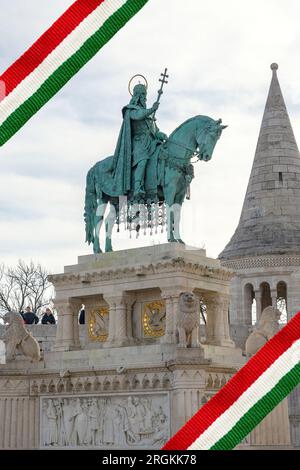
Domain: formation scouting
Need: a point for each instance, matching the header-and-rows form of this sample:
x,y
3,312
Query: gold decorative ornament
x,y
98,324
154,319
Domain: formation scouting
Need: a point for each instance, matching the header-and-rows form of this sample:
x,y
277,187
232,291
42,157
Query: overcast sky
x,y
218,54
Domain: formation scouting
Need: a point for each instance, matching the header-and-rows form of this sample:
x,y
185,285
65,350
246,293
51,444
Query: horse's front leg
x,y
169,198
98,224
109,225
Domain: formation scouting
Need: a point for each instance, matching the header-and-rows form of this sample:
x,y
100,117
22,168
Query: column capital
x,y
172,292
121,299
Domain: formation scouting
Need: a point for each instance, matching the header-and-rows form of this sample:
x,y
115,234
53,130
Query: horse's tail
x,y
90,205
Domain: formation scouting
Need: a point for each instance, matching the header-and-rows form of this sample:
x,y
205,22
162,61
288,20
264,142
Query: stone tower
x,y
264,251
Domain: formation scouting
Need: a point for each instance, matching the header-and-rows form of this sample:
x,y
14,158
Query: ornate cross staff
x,y
160,91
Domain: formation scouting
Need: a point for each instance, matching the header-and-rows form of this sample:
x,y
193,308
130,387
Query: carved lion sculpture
x,y
17,338
188,320
267,327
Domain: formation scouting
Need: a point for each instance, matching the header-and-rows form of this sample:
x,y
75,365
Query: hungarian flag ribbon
x,y
57,56
254,391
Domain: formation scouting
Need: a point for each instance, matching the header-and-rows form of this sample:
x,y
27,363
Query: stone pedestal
x,y
127,362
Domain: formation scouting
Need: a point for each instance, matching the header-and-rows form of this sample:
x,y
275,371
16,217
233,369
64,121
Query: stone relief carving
x,y
154,319
117,421
19,340
98,320
188,321
267,327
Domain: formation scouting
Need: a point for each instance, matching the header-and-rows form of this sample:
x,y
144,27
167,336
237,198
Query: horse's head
x,y
207,138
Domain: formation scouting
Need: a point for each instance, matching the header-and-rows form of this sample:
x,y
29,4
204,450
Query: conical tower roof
x,y
270,218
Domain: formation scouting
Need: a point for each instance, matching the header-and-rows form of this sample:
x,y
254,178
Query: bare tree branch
x,y
24,285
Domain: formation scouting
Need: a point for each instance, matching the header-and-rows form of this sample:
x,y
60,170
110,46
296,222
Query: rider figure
x,y
144,136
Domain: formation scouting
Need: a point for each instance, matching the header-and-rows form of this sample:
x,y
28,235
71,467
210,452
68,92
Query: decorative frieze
x,y
261,262
120,421
174,265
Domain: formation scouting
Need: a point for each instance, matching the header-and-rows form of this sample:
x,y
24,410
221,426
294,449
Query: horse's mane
x,y
208,119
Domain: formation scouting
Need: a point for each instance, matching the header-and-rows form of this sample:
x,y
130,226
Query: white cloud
x,y
218,55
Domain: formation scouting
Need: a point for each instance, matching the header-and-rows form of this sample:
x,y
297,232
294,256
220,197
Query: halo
x,y
130,87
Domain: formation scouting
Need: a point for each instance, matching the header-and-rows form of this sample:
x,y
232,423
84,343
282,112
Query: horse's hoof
x,y
97,250
171,240
180,241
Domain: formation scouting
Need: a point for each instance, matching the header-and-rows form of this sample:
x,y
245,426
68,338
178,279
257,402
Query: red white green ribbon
x,y
247,398
57,56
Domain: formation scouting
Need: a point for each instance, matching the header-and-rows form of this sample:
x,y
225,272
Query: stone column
x,y
172,299
258,304
217,324
274,297
118,320
65,340
76,305
111,321
129,300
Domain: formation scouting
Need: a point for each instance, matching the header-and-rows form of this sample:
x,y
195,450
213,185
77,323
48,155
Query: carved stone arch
x,y
106,384
197,375
51,387
155,381
126,383
265,293
282,296
60,386
116,384
34,387
146,382
78,385
43,387
71,385
166,381
249,297
87,385
135,382
97,385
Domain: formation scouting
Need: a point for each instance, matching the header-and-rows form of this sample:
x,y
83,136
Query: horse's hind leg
x,y
177,217
170,224
109,225
99,217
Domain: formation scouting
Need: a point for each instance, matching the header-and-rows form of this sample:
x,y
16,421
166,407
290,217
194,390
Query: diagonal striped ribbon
x,y
253,392
57,56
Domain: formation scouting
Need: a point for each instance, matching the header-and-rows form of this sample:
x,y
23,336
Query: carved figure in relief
x,y
266,328
117,421
51,427
108,422
80,423
188,321
93,422
18,339
68,419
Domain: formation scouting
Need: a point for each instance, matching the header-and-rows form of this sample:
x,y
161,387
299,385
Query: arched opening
x,y
249,296
282,300
265,292
254,312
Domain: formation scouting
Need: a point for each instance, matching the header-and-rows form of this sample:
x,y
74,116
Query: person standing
x,y
48,318
30,317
